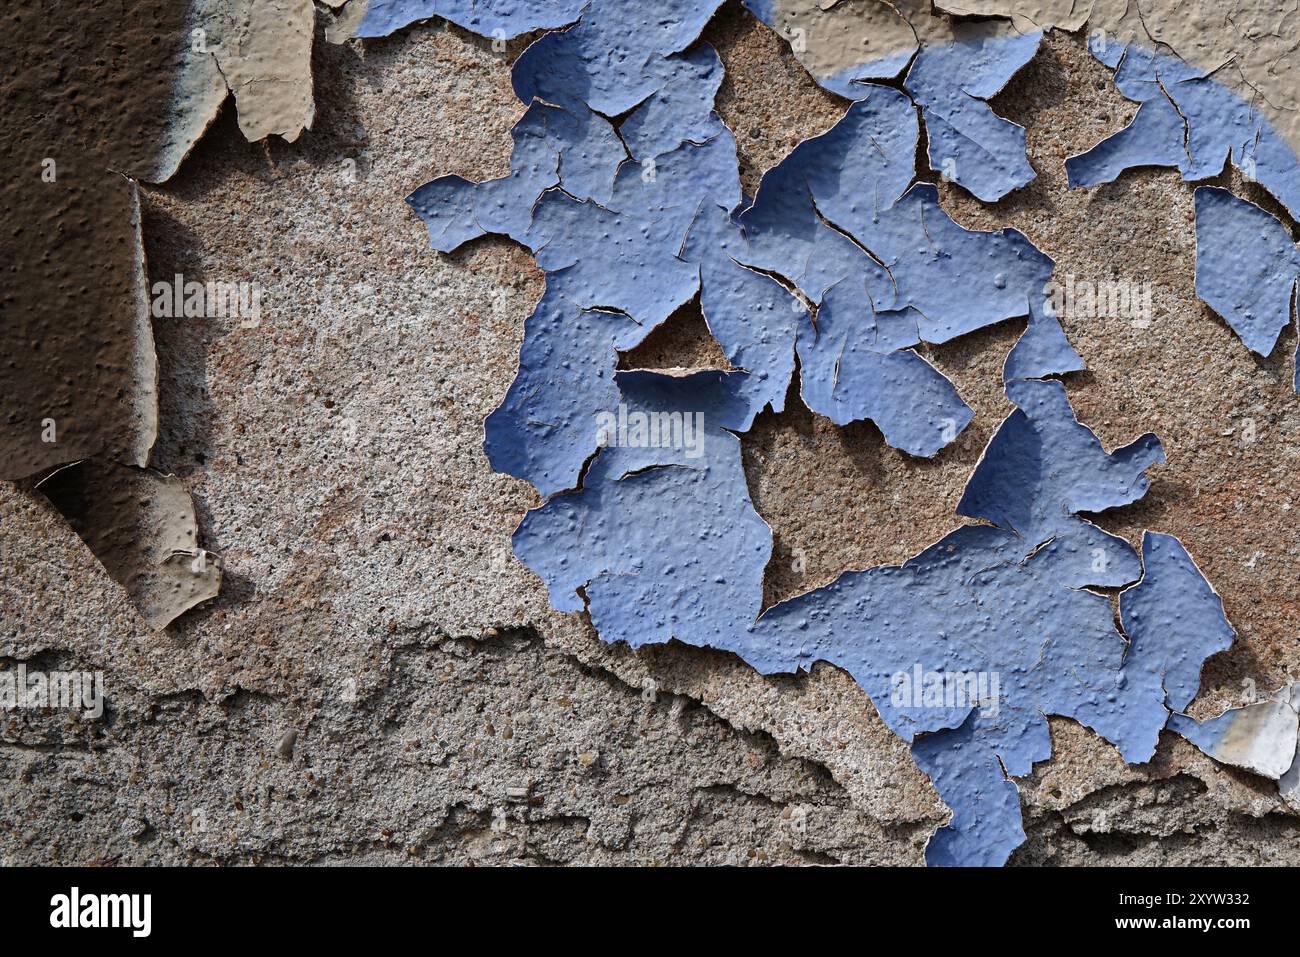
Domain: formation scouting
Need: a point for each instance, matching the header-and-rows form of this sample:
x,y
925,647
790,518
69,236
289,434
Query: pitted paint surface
x,y
96,94
843,261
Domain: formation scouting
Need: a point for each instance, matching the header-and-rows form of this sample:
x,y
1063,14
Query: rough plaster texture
x,y
380,680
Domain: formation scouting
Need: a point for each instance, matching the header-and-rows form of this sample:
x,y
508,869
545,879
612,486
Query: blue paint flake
x,y
839,220
1174,614
1246,266
1189,121
968,142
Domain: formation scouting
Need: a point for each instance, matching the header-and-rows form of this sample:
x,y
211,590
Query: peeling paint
x,y
141,526
1026,15
837,220
502,19
844,262
624,185
842,45
927,279
968,142
81,382
952,68
1260,737
263,50
1187,120
657,546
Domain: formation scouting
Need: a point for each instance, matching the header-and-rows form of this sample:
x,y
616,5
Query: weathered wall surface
x,y
380,680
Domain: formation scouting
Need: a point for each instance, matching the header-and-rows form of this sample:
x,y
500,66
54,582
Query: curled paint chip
x,y
263,49
952,68
986,821
1260,737
140,525
1174,621
1025,14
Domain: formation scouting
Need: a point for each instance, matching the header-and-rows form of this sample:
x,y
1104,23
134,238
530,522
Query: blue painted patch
x,y
578,152
615,58
1008,599
1187,120
489,18
662,538
1174,620
648,523
545,429
852,82
986,822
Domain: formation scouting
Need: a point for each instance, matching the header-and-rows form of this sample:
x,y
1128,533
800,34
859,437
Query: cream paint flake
x,y
141,526
830,38
263,50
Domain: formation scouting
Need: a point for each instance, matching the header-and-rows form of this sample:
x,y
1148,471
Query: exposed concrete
x,y
334,453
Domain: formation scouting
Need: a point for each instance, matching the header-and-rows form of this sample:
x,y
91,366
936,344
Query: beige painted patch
x,y
263,50
1027,15
345,23
140,525
1254,47
829,39
143,393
